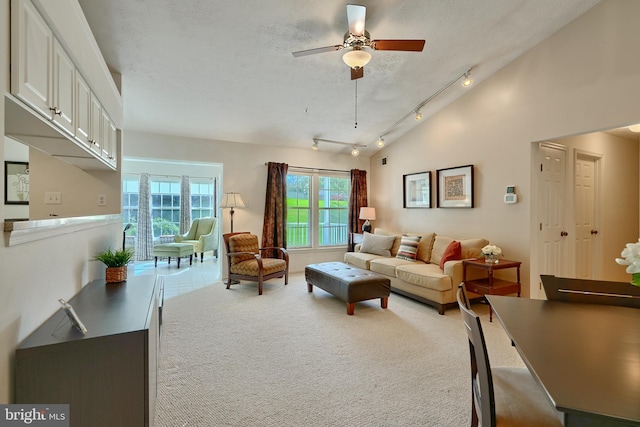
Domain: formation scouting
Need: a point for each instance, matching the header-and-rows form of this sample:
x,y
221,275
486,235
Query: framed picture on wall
x,y
16,183
417,190
455,187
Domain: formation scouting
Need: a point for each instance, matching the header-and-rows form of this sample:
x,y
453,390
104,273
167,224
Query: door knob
x,y
594,231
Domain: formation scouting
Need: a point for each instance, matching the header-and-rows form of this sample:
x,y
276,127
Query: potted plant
x,y
116,262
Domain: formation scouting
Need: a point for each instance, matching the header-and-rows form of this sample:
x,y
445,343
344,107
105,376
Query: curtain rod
x,y
171,176
316,169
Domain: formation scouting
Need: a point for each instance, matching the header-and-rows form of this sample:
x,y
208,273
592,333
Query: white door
x,y
552,247
588,265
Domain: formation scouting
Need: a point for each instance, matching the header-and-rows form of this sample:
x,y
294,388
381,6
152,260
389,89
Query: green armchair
x,y
203,235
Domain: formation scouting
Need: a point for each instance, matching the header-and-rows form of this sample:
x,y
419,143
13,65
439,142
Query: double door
x,y
569,240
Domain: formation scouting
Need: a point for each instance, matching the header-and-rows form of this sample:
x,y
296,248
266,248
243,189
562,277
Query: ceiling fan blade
x,y
356,15
317,50
406,45
357,73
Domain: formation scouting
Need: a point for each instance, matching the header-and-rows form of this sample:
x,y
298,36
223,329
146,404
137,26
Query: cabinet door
x,y
95,134
83,110
113,144
31,49
105,128
64,73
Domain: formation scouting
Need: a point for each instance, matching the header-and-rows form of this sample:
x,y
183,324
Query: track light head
x,y
380,142
418,115
467,81
355,152
314,147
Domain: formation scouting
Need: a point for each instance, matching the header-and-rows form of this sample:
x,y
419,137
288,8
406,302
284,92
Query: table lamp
x,y
232,200
367,213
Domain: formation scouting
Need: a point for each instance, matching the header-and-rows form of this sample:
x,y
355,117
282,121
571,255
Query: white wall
x,y
582,78
244,172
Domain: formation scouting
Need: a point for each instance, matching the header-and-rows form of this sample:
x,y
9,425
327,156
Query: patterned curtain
x,y
274,228
357,199
144,241
185,204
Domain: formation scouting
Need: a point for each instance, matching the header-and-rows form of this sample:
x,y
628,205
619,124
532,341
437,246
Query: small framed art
x,y
455,187
16,183
417,190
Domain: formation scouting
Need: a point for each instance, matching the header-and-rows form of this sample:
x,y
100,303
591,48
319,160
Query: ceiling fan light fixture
x,y
355,152
635,128
380,142
418,115
356,58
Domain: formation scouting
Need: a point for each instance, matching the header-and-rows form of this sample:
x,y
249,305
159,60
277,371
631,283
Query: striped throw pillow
x,y
408,248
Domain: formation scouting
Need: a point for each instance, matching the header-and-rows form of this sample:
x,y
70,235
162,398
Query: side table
x,y
489,285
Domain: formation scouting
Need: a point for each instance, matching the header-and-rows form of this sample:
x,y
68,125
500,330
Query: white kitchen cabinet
x,y
63,100
31,57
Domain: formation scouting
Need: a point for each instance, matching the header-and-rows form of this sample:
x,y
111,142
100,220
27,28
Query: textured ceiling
x,y
221,69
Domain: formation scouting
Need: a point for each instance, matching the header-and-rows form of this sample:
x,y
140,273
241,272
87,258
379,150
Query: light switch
x,y
52,198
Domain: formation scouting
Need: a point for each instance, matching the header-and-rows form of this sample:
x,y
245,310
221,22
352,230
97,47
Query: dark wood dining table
x,y
585,356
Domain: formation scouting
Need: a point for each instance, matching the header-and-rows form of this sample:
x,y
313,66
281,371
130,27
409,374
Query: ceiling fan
x,y
358,40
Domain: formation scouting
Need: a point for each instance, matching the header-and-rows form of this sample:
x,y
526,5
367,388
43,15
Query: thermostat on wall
x,y
511,196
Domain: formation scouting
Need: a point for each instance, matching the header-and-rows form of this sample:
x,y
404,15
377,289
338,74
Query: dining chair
x,y
502,396
245,260
591,291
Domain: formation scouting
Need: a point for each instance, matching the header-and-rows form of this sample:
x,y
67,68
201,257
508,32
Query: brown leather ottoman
x,y
348,283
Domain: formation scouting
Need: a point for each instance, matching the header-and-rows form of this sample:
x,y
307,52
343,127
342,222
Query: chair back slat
x,y
484,408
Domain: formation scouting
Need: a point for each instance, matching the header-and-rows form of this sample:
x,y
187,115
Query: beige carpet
x,y
290,358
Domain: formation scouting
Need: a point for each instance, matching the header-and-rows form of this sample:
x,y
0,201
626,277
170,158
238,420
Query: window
x,y
165,202
317,210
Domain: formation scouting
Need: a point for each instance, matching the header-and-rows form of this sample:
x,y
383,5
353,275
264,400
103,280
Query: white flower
x,y
631,257
491,250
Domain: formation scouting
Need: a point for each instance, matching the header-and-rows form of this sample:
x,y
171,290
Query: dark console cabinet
x,y
108,376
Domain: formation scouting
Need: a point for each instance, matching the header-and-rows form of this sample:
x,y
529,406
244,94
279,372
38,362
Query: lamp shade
x,y
232,200
356,58
367,213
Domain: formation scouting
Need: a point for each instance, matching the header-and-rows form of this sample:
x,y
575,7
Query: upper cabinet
x,y
46,79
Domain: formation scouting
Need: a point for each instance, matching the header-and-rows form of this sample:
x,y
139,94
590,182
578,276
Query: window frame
x,y
314,206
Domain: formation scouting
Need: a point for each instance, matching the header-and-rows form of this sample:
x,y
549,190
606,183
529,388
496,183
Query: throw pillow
x,y
376,244
453,251
408,248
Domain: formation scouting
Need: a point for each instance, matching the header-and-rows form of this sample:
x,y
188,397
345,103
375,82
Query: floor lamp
x,y
232,200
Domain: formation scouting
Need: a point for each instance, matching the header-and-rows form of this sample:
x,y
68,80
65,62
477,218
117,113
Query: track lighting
x,y
417,114
355,152
468,81
635,128
314,147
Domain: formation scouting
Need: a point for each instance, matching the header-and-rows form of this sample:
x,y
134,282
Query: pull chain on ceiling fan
x,y
358,41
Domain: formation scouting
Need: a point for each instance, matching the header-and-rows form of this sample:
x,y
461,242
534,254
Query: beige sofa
x,y
421,279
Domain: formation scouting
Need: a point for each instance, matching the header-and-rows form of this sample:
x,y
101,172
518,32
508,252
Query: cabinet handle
x,y
594,231
56,111
563,233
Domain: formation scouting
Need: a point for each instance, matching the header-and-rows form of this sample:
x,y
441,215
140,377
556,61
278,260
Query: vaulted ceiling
x,y
224,70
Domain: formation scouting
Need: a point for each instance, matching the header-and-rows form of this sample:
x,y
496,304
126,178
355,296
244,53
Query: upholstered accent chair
x,y
203,235
245,260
